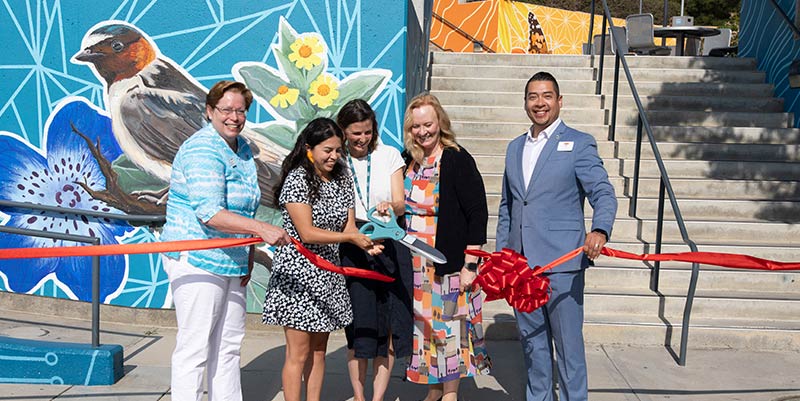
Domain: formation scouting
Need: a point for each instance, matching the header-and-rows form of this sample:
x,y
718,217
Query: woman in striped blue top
x,y
213,194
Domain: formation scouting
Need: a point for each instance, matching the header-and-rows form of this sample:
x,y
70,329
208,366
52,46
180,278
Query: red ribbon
x,y
176,246
506,274
320,262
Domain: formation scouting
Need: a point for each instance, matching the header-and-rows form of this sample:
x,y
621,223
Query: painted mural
x,y
98,98
765,36
512,27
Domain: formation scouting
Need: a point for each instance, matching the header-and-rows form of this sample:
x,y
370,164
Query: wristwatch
x,y
471,266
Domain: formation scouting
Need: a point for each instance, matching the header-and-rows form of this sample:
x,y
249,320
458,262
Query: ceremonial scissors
x,y
377,228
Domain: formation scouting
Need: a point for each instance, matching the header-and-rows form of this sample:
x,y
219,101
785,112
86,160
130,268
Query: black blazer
x,y
463,213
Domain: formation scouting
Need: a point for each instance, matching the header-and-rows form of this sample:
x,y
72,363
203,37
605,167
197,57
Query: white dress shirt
x,y
533,148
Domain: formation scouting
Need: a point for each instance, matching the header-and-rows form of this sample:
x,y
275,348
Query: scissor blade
x,y
421,247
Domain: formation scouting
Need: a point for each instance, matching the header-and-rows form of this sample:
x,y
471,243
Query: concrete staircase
x,y
733,162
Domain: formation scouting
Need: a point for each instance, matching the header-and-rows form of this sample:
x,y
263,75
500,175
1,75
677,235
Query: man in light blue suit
x,y
549,172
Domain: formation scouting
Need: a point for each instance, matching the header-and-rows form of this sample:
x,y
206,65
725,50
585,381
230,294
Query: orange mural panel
x,y
511,27
476,19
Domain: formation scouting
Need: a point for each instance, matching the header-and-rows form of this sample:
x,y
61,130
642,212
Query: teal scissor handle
x,y
379,229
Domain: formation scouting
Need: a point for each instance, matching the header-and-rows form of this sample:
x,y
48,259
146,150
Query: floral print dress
x,y
448,333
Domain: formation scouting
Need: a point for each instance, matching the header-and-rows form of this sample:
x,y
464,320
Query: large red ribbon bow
x,y
506,275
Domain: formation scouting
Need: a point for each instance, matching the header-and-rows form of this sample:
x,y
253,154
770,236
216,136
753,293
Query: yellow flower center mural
x,y
306,52
324,90
285,97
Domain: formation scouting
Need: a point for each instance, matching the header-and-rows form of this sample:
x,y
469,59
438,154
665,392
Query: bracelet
x,y
471,266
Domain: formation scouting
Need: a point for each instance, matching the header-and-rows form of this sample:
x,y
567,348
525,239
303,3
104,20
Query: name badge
x,y
565,146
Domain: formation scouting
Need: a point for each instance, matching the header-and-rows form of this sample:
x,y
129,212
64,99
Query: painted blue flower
x,y
49,177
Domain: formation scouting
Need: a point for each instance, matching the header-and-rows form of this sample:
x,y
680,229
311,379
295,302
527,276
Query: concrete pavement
x,y
615,372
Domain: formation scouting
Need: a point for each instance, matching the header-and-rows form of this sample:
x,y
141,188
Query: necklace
x,y
355,179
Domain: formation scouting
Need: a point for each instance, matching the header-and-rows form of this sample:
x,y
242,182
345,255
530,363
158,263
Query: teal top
x,y
207,176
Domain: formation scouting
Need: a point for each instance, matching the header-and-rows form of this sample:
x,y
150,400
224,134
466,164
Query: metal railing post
x,y
636,161
654,278
96,297
591,34
599,88
612,133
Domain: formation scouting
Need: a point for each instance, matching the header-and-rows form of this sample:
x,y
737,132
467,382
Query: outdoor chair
x,y
610,47
640,36
723,40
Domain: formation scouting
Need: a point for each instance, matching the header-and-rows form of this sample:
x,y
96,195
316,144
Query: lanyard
x,y
355,179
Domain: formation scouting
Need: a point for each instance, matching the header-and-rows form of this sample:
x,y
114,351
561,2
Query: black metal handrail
x,y
665,187
462,33
78,238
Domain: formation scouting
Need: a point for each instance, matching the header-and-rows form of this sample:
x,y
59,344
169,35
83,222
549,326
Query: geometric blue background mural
x,y
41,87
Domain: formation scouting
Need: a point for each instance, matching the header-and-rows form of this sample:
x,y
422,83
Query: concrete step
x,y
510,71
708,63
517,114
722,170
755,90
761,135
693,188
478,84
587,73
550,60
627,117
697,103
690,74
588,87
756,152
624,102
509,130
707,119
490,161
745,284
543,61
655,330
702,232
671,307
700,209
510,99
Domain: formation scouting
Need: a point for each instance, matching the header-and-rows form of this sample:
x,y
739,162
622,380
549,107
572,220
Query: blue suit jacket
x,y
547,220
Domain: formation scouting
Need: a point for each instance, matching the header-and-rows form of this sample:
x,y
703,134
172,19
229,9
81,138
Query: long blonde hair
x,y
446,136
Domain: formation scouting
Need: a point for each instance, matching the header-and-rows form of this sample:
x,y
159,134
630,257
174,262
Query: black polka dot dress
x,y
300,295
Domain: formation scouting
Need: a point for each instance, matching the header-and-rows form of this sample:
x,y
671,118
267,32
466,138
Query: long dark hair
x,y
356,111
316,132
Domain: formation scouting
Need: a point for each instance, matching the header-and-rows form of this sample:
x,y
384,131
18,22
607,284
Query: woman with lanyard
x,y
382,318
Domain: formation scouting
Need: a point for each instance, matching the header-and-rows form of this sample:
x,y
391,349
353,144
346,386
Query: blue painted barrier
x,y
46,362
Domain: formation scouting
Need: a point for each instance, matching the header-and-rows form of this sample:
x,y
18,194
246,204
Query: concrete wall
x,y
764,35
47,97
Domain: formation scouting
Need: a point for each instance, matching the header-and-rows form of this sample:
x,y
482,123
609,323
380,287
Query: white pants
x,y
210,311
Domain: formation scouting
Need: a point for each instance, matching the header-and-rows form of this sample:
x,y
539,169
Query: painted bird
x,y
155,104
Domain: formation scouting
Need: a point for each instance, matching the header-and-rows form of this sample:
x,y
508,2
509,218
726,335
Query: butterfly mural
x,y
537,43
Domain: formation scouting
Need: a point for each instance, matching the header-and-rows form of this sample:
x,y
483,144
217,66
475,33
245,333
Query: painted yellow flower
x,y
285,97
306,52
324,90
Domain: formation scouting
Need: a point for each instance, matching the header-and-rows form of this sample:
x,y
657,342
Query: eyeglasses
x,y
226,112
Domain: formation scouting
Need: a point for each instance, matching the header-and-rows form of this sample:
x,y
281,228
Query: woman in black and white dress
x,y
316,200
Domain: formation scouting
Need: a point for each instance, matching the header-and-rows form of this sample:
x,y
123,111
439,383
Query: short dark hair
x,y
356,111
542,76
218,91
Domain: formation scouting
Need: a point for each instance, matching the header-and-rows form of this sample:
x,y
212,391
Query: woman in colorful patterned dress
x,y
316,199
446,207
